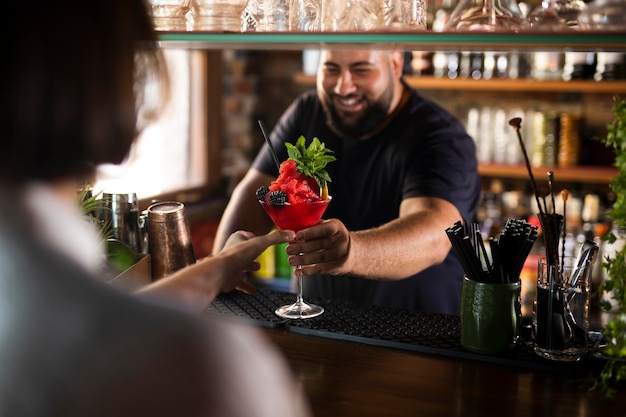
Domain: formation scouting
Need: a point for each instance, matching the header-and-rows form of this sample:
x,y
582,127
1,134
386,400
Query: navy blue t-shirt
x,y
424,151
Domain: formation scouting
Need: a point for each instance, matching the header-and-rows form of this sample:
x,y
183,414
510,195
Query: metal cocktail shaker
x,y
169,238
120,214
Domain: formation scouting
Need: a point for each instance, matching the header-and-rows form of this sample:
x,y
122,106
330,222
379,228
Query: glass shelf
x,y
419,40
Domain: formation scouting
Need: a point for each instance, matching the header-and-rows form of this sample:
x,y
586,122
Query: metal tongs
x,y
584,262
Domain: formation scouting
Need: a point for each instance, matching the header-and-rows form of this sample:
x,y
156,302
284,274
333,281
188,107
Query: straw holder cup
x,y
169,239
490,316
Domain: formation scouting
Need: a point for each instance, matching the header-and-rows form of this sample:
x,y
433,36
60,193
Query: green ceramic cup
x,y
490,316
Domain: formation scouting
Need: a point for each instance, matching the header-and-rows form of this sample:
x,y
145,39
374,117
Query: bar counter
x,y
348,372
349,379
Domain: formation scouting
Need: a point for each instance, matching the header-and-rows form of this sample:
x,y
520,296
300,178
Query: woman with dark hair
x,y
71,345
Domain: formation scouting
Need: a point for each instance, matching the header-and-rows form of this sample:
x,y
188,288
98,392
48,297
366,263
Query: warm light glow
x,y
163,158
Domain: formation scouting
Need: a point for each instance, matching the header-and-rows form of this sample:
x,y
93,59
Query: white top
x,y
62,225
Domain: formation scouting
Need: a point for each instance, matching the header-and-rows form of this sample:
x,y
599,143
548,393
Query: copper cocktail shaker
x,y
169,238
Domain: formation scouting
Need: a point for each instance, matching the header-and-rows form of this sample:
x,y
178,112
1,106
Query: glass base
x,y
299,310
566,355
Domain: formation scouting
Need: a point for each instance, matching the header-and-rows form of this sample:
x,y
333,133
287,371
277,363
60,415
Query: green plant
x,y
120,256
90,204
614,285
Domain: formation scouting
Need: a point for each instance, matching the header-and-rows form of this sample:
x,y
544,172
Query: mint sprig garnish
x,y
312,160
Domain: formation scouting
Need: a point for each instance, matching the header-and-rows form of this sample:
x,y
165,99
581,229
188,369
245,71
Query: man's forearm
x,y
402,247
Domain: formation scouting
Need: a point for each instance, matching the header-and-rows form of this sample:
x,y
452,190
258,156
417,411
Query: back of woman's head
x,y
71,87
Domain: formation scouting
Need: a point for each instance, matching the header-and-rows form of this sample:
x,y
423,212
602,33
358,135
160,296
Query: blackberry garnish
x,y
261,193
278,198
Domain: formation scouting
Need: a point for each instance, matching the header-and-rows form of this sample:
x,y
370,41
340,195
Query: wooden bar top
x,y
345,379
360,361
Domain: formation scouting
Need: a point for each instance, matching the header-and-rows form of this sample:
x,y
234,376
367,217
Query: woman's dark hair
x,y
71,97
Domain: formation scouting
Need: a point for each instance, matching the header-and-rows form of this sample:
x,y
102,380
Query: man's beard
x,y
374,115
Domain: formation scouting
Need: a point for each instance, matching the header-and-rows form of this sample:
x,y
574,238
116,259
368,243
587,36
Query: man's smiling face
x,y
356,89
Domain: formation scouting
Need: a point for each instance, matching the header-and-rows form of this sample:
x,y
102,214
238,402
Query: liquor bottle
x,y
267,259
569,139
283,269
579,66
546,65
610,66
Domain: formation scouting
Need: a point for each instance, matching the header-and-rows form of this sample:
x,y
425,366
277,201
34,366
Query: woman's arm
x,y
194,287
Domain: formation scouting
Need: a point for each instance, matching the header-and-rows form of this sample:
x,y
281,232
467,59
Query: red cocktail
x,y
297,217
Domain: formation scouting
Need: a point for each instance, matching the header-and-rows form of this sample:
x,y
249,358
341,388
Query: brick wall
x,y
257,85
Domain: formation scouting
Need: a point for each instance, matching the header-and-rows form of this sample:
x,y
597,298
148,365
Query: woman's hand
x,y
241,251
196,286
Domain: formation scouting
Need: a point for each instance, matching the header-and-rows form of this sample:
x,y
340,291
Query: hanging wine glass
x,y
556,14
169,14
218,15
544,16
486,15
252,17
569,11
604,15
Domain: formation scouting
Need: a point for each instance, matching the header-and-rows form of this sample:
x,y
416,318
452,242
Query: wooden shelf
x,y
523,85
581,174
427,82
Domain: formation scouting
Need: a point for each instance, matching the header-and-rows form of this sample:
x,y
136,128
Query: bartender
x,y
405,171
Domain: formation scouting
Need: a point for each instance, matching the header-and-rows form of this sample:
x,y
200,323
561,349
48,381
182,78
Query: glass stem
x,y
298,272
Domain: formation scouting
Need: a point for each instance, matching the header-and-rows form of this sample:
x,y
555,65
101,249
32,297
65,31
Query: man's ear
x,y
397,63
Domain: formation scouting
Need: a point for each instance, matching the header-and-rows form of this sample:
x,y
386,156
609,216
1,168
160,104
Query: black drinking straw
x,y
480,248
564,195
507,255
549,223
496,260
464,250
267,139
516,123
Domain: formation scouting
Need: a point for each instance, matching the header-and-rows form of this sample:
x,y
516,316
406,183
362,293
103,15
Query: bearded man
x,y
405,171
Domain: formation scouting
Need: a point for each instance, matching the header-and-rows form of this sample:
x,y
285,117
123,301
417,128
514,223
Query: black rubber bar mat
x,y
436,334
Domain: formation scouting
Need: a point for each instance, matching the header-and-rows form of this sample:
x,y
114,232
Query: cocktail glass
x,y
297,217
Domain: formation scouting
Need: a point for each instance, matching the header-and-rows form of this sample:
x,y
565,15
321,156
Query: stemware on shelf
x,y
404,14
569,10
252,17
486,15
305,15
276,15
556,14
218,15
170,14
604,15
352,15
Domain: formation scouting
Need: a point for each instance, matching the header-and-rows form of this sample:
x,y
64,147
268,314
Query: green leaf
x,y
614,285
89,204
312,160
